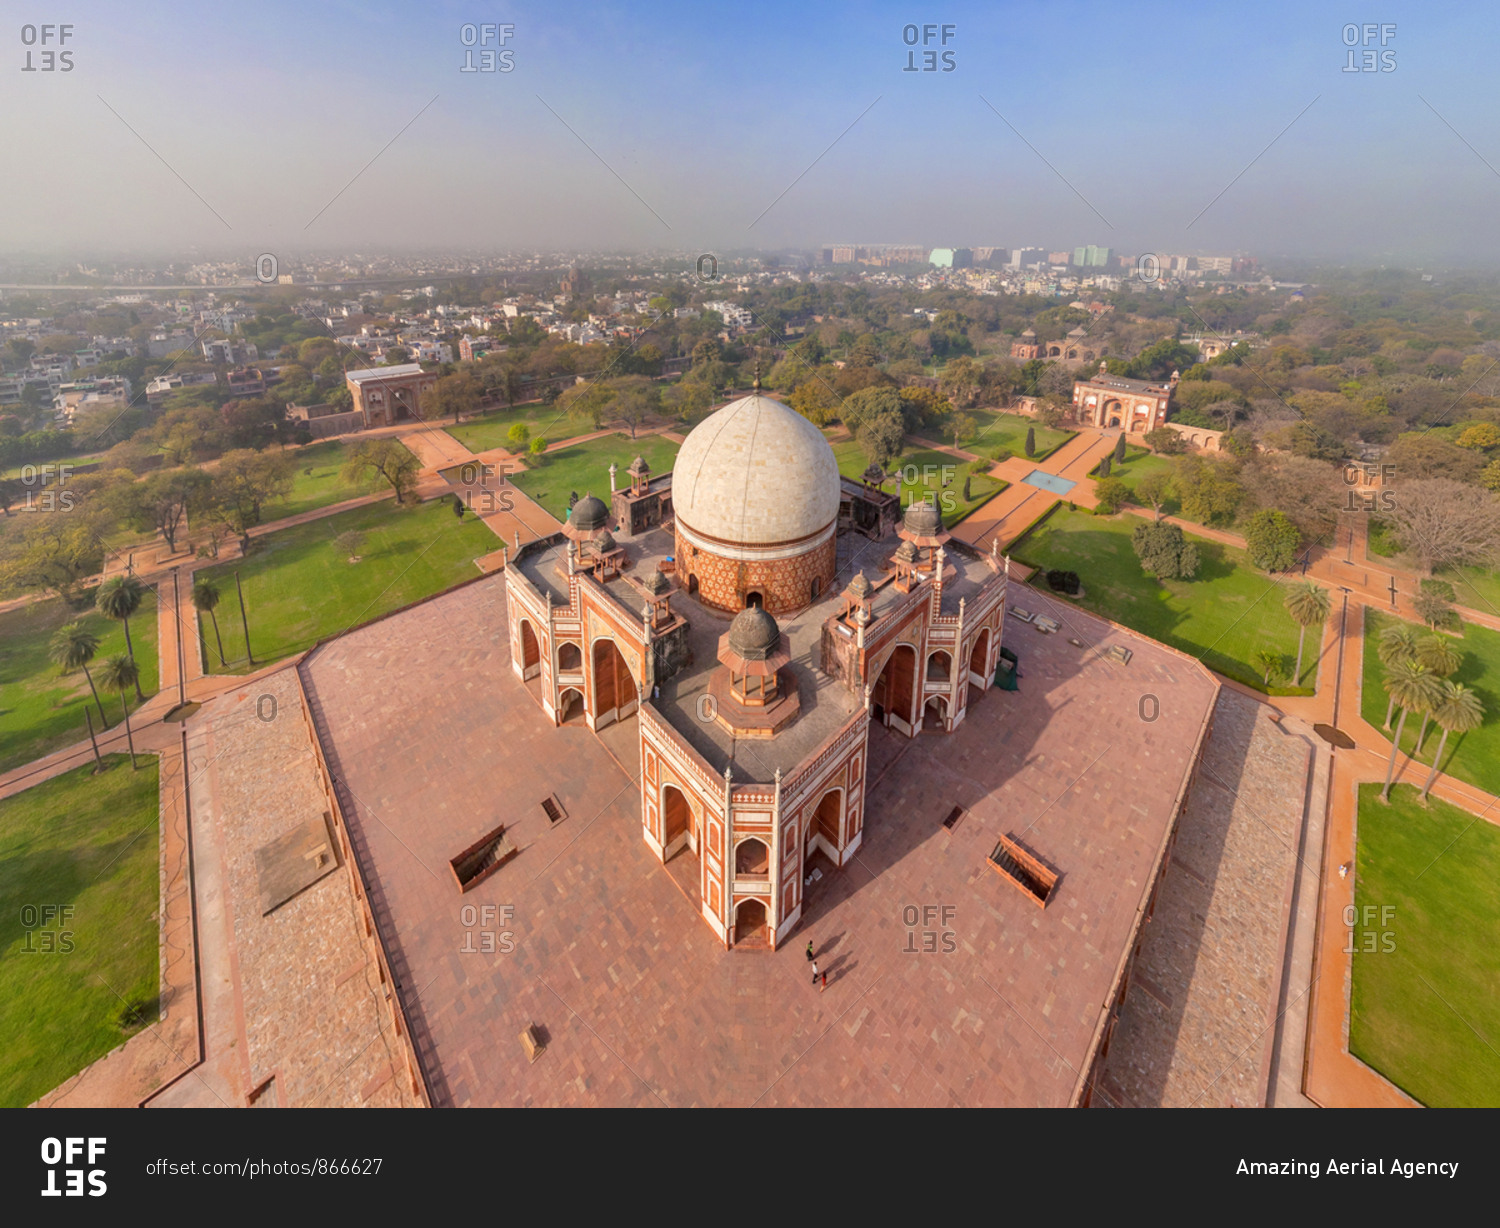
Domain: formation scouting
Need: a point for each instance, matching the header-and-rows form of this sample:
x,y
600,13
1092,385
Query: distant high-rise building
x,y
951,258
1092,257
1025,257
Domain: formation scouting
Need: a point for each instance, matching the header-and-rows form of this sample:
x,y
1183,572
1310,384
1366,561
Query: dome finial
x,y
756,384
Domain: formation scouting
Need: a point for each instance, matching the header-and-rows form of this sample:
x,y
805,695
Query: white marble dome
x,y
755,473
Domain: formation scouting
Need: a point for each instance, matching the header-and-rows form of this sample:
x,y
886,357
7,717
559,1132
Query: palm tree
x,y
73,647
118,599
1268,661
1413,689
1458,710
206,600
1397,643
122,672
1307,603
1442,660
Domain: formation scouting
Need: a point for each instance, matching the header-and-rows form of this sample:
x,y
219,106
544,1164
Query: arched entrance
x,y
569,658
934,715
752,859
531,652
827,818
893,699
614,687
939,666
750,928
979,659
678,829
692,585
754,599
570,707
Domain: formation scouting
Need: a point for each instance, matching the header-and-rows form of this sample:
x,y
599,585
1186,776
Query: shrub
x,y
1164,551
1031,441
1120,449
1104,466
1112,494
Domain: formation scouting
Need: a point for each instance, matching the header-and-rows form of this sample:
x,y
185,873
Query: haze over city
x,y
604,127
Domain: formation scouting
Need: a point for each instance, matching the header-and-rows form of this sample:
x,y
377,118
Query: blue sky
x,y
677,125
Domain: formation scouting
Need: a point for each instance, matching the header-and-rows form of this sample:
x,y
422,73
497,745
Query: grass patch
x,y
1476,587
1430,876
1008,431
1224,617
924,473
318,480
41,709
300,589
89,843
1474,757
585,466
489,430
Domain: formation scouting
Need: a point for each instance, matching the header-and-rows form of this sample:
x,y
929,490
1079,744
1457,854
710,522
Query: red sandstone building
x,y
1112,401
755,613
384,396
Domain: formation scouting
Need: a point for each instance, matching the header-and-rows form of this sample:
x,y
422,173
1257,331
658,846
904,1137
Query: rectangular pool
x,y
1048,481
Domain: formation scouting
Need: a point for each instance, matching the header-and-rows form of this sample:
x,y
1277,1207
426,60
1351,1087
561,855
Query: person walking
x,y
825,983
815,971
809,951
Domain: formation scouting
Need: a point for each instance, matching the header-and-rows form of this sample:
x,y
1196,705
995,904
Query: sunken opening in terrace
x,y
1023,871
482,858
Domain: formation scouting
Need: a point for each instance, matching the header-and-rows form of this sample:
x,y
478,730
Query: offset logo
x,y
66,1154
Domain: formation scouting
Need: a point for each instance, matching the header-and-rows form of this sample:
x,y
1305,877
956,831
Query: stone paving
x,y
1198,1024
588,937
308,1009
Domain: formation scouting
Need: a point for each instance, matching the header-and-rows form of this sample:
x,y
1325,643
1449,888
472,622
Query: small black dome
x,y
589,514
923,519
754,634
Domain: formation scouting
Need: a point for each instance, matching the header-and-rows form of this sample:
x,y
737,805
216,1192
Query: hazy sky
x,y
710,112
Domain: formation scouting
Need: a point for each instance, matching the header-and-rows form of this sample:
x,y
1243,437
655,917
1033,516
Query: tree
x,y
1443,523
243,483
1164,441
1434,604
252,422
1307,603
1397,644
1424,456
1111,494
923,407
1457,710
537,448
1120,449
1155,489
348,543
518,436
635,400
1269,663
1483,436
1436,654
1164,551
118,598
870,402
881,435
1411,688
373,460
815,400
1271,540
455,394
56,550
121,672
206,601
161,503
1030,448
1105,466
1208,490
961,426
960,381
73,647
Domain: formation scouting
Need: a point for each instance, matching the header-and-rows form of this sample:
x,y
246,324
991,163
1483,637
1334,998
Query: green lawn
x,y
41,709
1476,587
489,430
88,844
317,480
1001,430
299,589
1474,757
924,473
584,467
1140,463
1423,1007
1224,617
